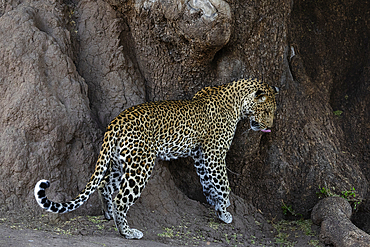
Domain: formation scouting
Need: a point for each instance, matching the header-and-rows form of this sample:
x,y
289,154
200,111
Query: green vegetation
x,y
168,233
314,242
95,219
338,113
349,195
213,225
285,230
288,209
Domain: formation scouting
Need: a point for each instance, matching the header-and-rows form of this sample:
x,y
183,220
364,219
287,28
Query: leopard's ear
x,y
275,89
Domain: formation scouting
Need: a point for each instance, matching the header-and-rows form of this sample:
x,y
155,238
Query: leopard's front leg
x,y
211,168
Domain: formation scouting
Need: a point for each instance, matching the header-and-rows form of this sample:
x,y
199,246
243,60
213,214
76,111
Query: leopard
x,y
202,127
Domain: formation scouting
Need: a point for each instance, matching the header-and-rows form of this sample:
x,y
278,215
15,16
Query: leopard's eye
x,y
262,99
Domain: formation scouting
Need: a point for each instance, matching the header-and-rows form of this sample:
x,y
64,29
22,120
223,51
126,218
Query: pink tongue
x,y
266,131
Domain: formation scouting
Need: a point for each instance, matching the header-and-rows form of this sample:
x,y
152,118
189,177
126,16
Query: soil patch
x,y
53,230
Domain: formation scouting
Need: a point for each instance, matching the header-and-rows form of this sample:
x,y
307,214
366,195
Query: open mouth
x,y
256,127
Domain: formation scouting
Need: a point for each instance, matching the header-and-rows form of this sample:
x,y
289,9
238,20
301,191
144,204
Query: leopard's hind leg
x,y
108,186
133,182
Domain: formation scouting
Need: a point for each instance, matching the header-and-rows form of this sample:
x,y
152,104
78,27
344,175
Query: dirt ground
x,y
49,230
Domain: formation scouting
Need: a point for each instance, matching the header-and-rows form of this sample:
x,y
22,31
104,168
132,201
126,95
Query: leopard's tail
x,y
65,207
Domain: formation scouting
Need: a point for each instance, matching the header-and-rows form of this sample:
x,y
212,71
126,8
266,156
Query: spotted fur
x,y
202,128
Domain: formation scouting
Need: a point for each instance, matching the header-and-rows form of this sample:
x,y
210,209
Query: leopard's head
x,y
261,107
